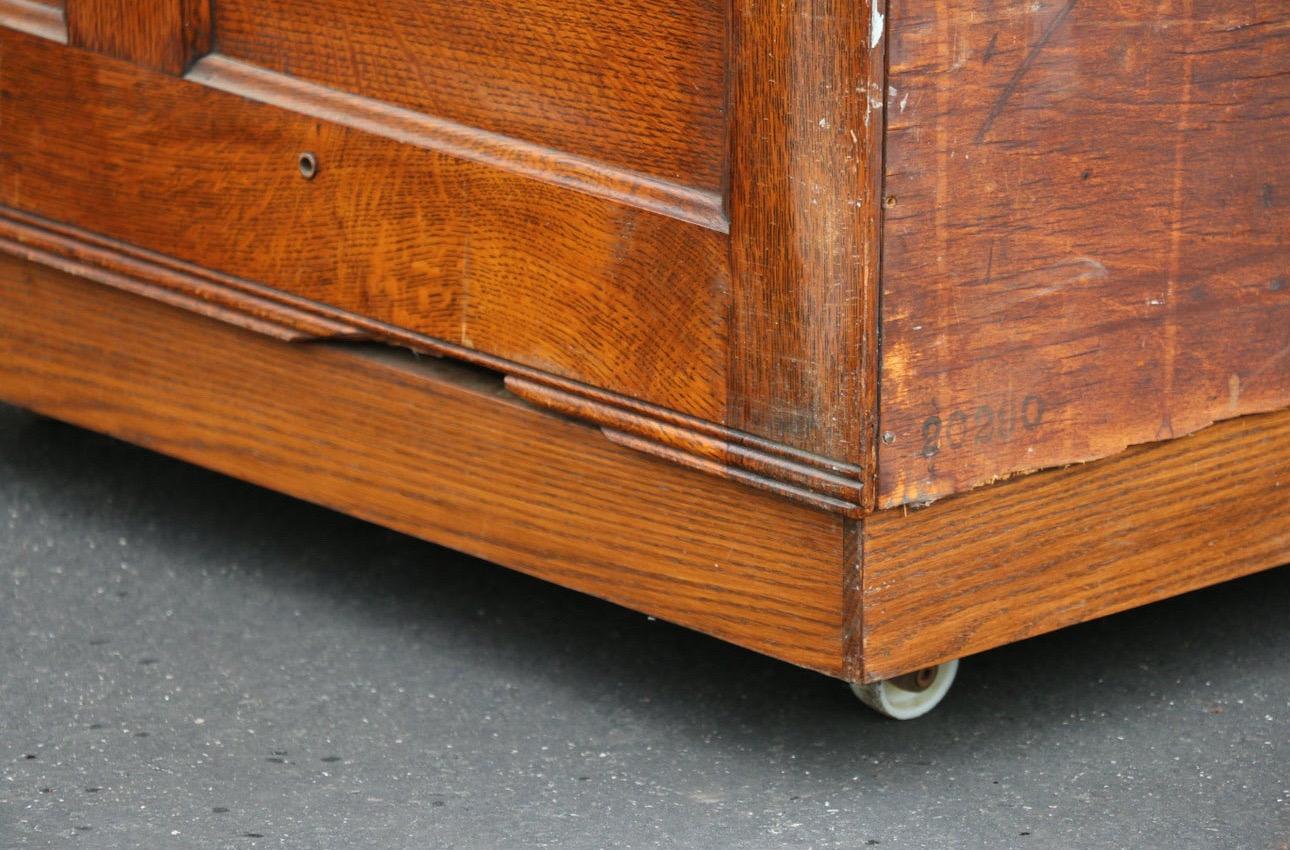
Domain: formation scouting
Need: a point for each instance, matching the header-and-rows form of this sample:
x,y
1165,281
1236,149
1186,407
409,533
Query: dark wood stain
x,y
805,140
1084,230
674,220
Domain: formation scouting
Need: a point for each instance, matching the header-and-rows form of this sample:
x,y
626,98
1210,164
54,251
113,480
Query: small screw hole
x,y
308,165
889,201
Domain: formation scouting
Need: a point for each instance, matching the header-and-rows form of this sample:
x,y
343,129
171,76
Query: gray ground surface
x,y
189,661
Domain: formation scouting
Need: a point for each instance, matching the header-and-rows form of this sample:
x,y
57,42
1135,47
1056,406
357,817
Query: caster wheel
x,y
909,696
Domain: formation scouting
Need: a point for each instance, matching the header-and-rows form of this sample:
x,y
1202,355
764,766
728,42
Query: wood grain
x,y
805,145
635,83
1089,243
1027,556
157,276
696,443
433,449
164,35
524,270
560,168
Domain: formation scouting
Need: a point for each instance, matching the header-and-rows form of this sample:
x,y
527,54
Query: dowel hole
x,y
308,164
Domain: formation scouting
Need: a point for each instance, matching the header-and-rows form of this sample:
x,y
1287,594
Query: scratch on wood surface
x,y
876,22
1271,361
1010,88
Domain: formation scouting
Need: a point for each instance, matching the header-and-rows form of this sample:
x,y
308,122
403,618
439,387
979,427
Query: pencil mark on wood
x,y
1010,88
988,53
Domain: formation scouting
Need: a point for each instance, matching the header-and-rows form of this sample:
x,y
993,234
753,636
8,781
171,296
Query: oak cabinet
x,y
850,257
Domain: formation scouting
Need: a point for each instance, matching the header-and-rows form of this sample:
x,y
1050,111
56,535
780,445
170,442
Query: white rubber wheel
x,y
907,697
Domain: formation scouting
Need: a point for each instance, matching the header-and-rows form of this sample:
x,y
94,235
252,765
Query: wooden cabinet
x,y
851,257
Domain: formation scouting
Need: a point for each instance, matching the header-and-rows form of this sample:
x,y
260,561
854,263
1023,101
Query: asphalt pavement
x,y
193,662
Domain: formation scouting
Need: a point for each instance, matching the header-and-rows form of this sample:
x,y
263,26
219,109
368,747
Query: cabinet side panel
x,y
1089,243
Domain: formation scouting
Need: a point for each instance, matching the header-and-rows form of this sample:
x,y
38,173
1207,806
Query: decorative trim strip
x,y
407,126
122,266
34,19
819,482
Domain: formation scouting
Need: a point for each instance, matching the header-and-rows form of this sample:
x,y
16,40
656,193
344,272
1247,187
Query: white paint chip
x,y
877,20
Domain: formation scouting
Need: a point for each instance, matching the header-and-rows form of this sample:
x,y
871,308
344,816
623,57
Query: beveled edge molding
x,y
642,191
34,19
163,278
820,482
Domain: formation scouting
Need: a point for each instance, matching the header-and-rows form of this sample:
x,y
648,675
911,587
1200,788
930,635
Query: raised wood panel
x,y
1027,556
559,168
637,83
1088,239
431,448
164,35
580,286
805,143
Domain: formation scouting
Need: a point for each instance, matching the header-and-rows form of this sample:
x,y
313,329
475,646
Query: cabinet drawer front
x,y
582,286
635,83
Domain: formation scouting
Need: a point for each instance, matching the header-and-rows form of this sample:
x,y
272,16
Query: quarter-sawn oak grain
x,y
804,151
636,83
579,286
674,219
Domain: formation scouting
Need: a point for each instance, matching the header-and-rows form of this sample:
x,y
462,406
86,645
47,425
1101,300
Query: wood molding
x,y
448,249
632,84
820,482
440,450
136,269
641,191
126,267
38,19
430,448
805,157
696,443
164,35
